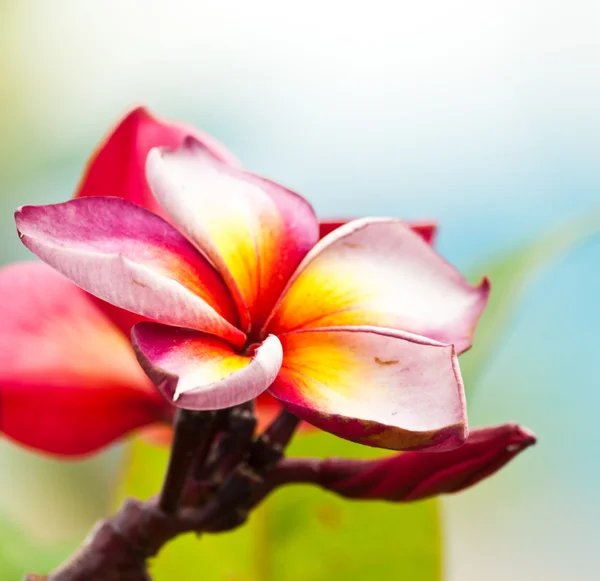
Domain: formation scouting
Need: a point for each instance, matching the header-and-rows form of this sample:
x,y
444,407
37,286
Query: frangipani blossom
x,y
357,333
69,380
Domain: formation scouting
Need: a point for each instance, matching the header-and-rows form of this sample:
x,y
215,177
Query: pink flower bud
x,y
414,475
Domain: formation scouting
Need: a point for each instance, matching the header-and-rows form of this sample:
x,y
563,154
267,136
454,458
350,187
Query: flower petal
x,y
378,272
255,231
427,230
117,168
200,372
131,258
69,381
412,475
378,387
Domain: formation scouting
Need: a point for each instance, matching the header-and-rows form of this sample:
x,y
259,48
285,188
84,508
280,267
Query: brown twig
x,y
190,428
229,507
117,549
232,448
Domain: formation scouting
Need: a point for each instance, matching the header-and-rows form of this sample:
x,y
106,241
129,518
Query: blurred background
x,y
484,116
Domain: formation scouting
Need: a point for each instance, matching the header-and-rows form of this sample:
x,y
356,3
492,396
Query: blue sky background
x,y
482,115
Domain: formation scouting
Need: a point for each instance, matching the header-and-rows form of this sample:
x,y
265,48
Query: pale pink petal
x,y
201,372
379,272
131,258
254,231
69,381
378,387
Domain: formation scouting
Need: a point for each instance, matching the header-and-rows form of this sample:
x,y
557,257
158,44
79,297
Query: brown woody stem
x,y
242,489
191,428
118,548
269,447
232,448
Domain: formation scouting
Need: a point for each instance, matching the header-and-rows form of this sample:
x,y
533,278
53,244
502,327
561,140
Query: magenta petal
x,y
201,372
377,387
131,258
417,475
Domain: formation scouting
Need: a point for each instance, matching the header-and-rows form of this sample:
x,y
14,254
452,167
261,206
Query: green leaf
x,y
509,276
301,533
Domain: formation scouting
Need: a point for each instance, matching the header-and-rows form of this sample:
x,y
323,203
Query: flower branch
x,y
119,547
228,286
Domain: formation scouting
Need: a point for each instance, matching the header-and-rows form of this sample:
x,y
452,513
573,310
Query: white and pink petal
x,y
254,231
379,272
131,258
202,372
374,386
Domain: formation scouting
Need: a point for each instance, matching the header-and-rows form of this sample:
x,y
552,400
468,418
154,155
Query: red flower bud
x,y
413,475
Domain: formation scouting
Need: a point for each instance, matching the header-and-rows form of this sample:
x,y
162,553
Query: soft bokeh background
x,y
482,115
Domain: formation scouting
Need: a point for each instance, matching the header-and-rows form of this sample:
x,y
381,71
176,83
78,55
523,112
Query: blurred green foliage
x,y
510,274
19,550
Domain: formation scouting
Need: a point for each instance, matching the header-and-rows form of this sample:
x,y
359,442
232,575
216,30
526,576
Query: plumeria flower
x,y
69,380
356,333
